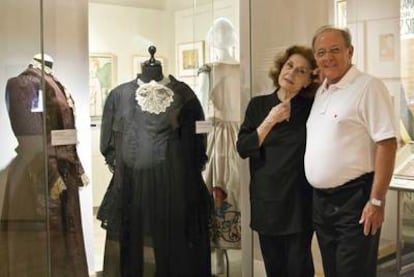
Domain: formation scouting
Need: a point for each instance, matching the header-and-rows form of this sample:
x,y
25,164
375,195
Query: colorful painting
x,y
101,81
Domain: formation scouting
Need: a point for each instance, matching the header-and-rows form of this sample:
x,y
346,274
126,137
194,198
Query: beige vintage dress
x,y
222,107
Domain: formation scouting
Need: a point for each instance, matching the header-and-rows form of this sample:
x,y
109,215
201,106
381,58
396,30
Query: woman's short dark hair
x,y
282,58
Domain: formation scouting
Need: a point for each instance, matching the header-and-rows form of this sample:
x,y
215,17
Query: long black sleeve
x,y
248,140
107,146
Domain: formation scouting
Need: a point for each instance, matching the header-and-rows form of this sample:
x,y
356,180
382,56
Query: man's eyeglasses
x,y
333,51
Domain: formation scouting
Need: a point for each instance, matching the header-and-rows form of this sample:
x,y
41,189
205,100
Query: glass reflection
x,y
181,50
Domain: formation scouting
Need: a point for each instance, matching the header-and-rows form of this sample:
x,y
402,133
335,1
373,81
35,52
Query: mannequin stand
x,y
222,258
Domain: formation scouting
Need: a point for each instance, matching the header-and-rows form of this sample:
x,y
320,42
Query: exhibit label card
x,y
203,127
64,137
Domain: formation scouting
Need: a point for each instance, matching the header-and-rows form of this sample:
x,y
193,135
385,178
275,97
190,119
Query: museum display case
x,y
64,60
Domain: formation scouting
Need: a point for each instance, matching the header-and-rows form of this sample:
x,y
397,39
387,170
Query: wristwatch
x,y
377,202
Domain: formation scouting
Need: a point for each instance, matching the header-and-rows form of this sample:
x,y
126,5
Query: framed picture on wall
x,y
383,48
357,31
340,13
190,58
137,60
102,78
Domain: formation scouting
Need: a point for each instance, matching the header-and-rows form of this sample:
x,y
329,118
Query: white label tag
x,y
37,103
203,127
64,137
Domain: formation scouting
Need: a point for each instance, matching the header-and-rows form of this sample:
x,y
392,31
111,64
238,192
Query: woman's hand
x,y
278,113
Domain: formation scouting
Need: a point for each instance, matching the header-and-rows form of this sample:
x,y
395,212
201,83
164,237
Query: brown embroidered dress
x,y
41,231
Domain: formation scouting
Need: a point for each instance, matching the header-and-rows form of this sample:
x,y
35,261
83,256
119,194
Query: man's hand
x,y
372,217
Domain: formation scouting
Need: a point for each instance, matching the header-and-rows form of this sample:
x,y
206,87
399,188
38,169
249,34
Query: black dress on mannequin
x,y
150,127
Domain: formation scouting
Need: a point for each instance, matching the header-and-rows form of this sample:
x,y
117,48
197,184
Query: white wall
x,y
372,9
18,44
278,24
66,35
127,31
192,25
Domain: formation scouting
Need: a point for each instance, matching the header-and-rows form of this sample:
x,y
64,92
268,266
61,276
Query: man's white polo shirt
x,y
345,122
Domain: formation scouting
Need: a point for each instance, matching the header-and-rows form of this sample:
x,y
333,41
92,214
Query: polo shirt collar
x,y
349,76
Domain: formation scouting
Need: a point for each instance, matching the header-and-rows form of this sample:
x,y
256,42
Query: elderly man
x,y
349,159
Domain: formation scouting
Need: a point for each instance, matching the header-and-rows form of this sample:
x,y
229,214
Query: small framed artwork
x,y
102,78
190,58
137,60
383,48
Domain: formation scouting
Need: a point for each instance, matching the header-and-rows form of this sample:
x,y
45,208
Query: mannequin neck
x,y
222,56
150,73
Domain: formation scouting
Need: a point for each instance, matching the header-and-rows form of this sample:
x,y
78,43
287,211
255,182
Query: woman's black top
x,y
281,198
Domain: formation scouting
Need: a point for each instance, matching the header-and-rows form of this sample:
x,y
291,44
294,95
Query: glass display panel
x,y
24,228
381,36
43,157
271,35
403,176
183,35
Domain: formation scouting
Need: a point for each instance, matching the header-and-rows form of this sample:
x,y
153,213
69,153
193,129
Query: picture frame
x,y
357,31
102,78
137,60
190,57
383,48
340,13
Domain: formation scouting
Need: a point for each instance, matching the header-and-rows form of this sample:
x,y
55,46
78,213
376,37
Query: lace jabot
x,y
153,97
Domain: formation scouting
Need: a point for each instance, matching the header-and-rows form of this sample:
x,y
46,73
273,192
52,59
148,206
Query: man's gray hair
x,y
343,31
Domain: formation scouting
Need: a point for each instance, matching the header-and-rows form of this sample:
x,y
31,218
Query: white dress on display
x,y
220,96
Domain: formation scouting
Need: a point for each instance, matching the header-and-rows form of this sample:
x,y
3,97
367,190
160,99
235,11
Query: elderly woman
x,y
273,136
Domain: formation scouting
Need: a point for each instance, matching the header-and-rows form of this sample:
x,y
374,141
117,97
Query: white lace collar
x,y
154,97
38,65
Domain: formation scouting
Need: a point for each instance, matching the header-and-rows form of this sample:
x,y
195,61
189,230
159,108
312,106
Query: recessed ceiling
x,y
154,4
